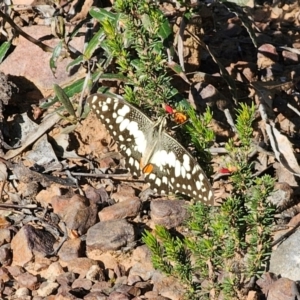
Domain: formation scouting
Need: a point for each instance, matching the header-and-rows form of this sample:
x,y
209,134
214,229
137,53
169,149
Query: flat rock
x,y
22,253
32,66
80,265
70,249
121,210
95,273
28,281
169,213
109,235
47,288
285,259
167,286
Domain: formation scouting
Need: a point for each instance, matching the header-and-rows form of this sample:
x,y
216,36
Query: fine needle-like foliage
x,y
227,246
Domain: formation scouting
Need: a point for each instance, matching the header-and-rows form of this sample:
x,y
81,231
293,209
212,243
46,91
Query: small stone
x,y
51,273
253,295
290,58
5,255
80,265
101,286
15,270
109,235
22,253
82,283
121,280
118,296
168,213
64,296
132,279
95,296
202,95
5,236
266,56
47,288
125,209
22,292
125,192
283,288
128,289
7,291
66,278
64,290
39,264
282,195
140,270
168,287
4,275
70,249
154,296
75,211
28,280
37,298
108,260
95,273
144,286
32,69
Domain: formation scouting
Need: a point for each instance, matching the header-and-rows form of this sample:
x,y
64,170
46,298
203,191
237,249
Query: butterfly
x,y
149,151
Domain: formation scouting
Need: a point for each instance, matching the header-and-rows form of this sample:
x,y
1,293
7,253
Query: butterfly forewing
x,y
142,144
125,125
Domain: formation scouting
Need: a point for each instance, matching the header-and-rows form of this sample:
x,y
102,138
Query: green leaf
x,y
178,70
106,46
157,47
114,77
101,14
146,22
165,30
55,56
137,64
175,67
3,50
77,61
86,110
64,99
46,105
94,44
77,86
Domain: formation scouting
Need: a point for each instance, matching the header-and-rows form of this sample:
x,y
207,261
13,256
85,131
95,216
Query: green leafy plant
x,y
133,45
134,38
227,246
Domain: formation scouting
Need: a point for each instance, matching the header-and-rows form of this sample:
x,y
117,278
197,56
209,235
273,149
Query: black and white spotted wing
x,y
151,152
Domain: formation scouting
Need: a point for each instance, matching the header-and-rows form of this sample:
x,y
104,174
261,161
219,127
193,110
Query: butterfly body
x,y
149,151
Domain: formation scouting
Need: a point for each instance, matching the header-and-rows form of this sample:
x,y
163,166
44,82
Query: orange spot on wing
x,y
148,169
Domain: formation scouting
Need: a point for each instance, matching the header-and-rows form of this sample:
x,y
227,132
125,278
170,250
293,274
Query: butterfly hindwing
x,y
177,171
